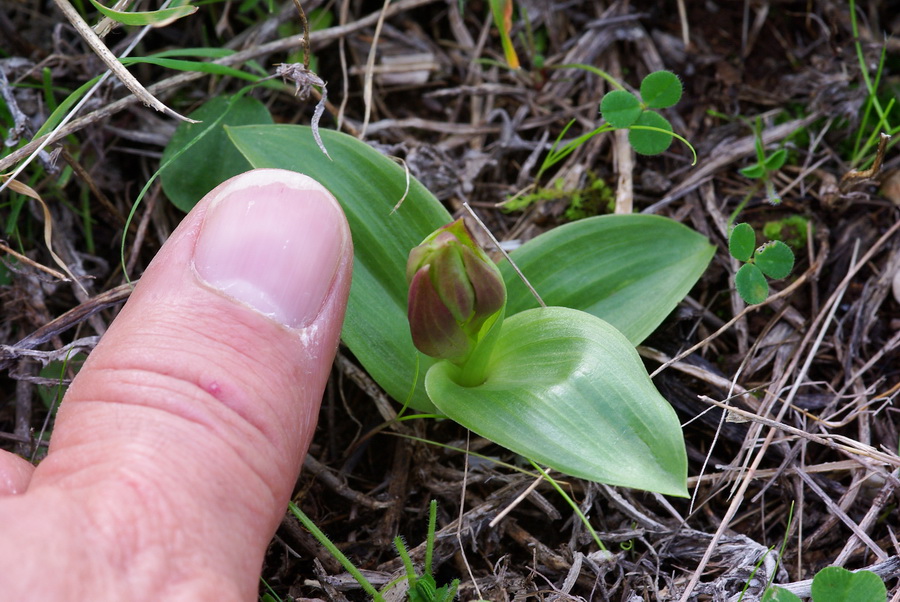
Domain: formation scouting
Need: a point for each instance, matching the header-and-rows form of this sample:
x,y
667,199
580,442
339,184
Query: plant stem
x,y
429,545
334,551
473,371
571,503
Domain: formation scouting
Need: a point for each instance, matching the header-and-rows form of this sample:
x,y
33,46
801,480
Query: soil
x,y
805,475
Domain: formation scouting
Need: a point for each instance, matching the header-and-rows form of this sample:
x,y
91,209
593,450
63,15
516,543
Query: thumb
x,y
177,446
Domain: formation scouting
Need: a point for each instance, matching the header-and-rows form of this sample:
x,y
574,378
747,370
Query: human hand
x,y
177,446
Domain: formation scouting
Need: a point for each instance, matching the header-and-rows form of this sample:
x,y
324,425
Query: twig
x,y
827,441
789,290
370,71
519,499
726,153
20,121
97,45
682,18
27,260
871,516
461,516
35,147
73,317
854,175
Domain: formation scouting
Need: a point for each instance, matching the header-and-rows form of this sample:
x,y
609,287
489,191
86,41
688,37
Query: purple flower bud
x,y
454,287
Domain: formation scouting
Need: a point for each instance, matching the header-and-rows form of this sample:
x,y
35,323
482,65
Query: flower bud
x,y
454,287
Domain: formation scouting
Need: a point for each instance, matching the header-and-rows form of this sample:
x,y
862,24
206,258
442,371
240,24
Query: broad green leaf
x,y
650,141
620,108
368,185
775,259
776,160
213,159
742,242
754,172
154,18
661,89
837,584
751,284
566,389
778,594
630,270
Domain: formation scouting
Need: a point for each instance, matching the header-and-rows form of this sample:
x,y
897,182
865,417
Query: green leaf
x,y
754,172
661,89
778,594
776,160
213,159
742,242
566,389
775,259
630,270
368,185
751,284
155,18
650,141
620,108
837,584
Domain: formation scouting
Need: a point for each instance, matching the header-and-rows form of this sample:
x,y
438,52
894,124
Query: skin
x,y
176,448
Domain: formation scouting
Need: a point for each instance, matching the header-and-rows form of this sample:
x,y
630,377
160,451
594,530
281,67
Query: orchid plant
x,y
447,332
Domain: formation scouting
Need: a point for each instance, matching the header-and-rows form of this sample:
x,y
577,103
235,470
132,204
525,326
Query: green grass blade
x,y
154,18
198,66
60,112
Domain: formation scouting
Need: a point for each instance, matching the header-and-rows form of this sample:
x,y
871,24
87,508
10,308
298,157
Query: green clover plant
x,y
836,584
773,259
562,385
649,133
